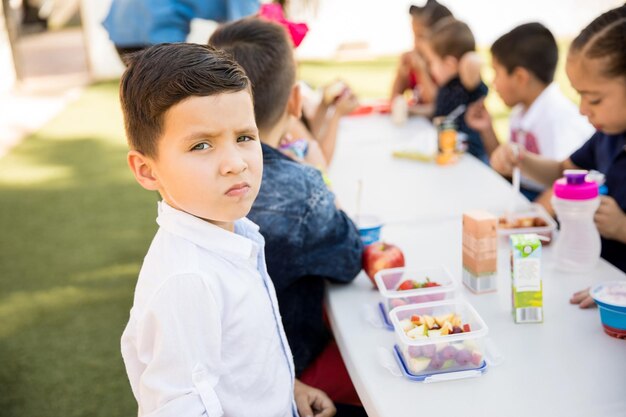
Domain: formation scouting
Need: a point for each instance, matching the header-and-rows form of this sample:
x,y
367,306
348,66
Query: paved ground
x,y
54,72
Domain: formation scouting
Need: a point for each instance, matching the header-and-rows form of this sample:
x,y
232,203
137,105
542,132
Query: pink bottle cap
x,y
574,186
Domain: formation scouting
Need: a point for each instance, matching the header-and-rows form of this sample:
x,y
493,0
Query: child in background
x,y
412,73
308,239
204,335
456,70
321,123
596,67
543,120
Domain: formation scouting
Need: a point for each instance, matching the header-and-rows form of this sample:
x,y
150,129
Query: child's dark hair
x,y
531,46
265,52
163,75
451,37
605,37
430,13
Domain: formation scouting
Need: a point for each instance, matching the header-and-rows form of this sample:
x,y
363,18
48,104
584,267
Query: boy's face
x,y
505,84
442,69
420,32
602,99
209,161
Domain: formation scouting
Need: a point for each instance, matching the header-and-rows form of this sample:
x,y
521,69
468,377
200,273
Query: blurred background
x,y
74,225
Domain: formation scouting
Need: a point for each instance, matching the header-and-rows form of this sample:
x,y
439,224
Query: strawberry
x,y
406,285
415,319
466,328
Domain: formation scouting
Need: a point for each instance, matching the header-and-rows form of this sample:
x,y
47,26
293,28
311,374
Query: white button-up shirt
x,y
205,337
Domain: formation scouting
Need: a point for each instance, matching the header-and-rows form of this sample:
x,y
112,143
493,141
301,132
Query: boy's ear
x,y
294,104
141,166
521,76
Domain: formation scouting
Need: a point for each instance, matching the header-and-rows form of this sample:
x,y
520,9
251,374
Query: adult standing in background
x,y
137,24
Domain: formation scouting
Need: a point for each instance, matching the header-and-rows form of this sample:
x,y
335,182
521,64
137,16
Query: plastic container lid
x,y
611,293
575,186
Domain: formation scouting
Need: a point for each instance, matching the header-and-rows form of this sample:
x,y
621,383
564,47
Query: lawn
x,y
75,227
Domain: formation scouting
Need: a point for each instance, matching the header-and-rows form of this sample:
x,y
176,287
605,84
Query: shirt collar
x,y
534,112
244,243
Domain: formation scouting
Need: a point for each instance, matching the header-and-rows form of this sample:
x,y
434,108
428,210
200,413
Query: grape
x,y
448,352
415,351
463,357
429,350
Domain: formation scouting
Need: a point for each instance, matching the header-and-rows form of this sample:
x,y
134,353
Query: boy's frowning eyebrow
x,y
205,134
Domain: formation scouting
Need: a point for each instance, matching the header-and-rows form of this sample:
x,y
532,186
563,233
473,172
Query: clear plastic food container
x,y
435,354
534,219
388,282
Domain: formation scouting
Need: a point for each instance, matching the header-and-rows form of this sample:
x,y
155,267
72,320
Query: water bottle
x,y
575,201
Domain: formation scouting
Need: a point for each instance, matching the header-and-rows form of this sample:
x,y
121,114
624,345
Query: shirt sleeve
x,y
332,247
480,91
585,156
180,337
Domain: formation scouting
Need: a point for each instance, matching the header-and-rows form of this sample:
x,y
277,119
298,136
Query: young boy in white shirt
x,y
542,120
205,336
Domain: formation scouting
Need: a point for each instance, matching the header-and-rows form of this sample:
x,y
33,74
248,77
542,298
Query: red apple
x,y
381,255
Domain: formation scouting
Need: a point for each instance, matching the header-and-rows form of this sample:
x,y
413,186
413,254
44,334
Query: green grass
x,y
74,229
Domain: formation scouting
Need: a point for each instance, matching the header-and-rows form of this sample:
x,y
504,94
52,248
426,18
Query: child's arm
x,y
327,139
180,338
401,81
312,402
478,118
542,170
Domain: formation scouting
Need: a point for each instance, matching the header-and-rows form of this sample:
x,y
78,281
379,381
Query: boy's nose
x,y
584,108
232,161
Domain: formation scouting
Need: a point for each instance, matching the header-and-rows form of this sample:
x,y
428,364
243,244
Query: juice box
x,y
527,292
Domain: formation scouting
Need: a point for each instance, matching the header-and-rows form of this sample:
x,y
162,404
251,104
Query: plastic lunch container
x,y
611,300
388,280
425,356
523,219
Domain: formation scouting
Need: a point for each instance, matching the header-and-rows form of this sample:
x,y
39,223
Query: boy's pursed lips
x,y
238,189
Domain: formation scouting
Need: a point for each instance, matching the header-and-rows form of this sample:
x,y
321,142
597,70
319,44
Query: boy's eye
x,y
595,102
244,139
200,146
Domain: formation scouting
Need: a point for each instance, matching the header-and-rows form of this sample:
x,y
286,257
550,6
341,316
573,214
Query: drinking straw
x,y
359,194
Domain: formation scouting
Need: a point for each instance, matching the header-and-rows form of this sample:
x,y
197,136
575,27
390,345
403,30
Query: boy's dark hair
x,y
451,37
161,76
531,46
605,37
265,52
430,13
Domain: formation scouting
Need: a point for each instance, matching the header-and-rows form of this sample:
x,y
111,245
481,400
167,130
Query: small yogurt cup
x,y
611,300
369,228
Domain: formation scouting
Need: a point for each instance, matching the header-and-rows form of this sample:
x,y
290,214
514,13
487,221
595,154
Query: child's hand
x,y
583,299
504,158
610,219
312,402
477,116
346,103
469,70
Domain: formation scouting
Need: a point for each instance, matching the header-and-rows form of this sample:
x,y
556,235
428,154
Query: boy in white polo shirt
x,y
205,336
543,120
